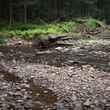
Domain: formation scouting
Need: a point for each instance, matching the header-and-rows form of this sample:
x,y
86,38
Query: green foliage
x,y
91,23
94,23
27,31
66,26
51,30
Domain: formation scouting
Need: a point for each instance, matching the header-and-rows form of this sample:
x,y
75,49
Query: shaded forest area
x,y
35,11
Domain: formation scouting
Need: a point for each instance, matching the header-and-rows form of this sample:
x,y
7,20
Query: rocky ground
x,y
59,78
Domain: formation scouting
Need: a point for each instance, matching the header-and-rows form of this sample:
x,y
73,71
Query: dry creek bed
x,y
59,78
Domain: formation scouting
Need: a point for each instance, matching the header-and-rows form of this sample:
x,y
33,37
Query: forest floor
x,y
59,78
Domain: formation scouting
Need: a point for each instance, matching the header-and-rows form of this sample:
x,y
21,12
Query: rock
x,y
45,42
1,54
78,106
108,88
97,108
88,102
58,48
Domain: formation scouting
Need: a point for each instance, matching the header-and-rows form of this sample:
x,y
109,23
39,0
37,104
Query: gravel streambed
x,y
74,78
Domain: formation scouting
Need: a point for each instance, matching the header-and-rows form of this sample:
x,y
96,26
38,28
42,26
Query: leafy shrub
x,y
66,26
91,23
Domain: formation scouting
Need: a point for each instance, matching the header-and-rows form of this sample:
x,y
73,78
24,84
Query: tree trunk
x,y
25,13
10,14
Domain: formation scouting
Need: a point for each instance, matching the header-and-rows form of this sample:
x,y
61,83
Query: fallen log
x,y
44,42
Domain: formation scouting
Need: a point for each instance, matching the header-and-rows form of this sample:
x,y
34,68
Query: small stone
x,y
19,101
26,85
53,74
2,98
45,91
88,102
97,108
37,94
58,48
78,106
108,88
108,63
1,54
74,97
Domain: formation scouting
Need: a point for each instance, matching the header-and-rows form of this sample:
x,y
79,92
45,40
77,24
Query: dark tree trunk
x,y
11,14
25,13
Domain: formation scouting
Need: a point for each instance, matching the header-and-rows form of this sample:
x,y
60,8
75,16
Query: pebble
x,y
108,88
88,102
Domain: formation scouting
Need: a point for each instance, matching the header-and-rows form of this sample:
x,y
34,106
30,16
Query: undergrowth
x,y
27,31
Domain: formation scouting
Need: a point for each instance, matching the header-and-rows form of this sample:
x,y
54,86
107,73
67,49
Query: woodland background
x,y
35,11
